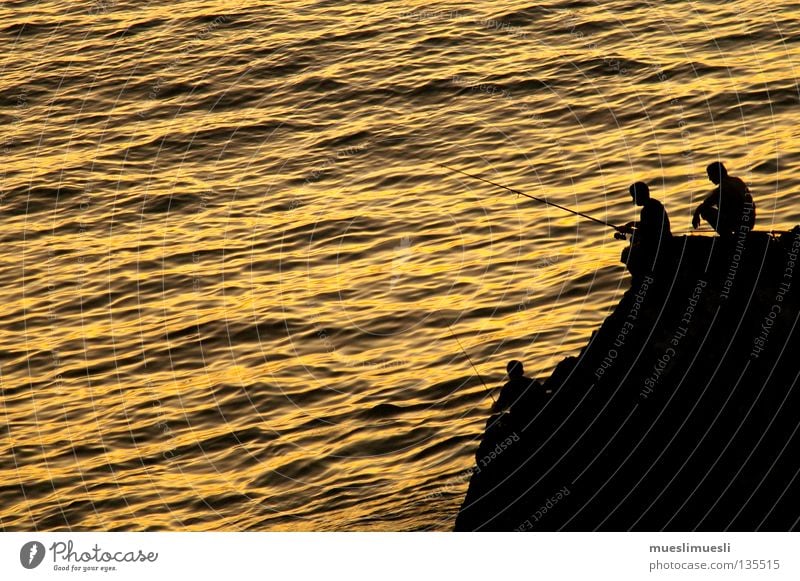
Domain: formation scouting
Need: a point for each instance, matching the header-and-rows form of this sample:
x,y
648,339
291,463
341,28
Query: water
x,y
229,269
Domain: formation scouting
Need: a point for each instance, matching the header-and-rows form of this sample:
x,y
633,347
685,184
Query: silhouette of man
x,y
653,229
651,233
517,389
729,208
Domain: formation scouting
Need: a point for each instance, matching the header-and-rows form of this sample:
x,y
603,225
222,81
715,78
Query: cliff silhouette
x,y
680,413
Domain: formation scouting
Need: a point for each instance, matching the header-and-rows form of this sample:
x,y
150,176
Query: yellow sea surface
x,y
231,269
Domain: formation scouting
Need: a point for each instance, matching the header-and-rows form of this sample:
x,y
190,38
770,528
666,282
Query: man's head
x,y
716,171
514,368
640,193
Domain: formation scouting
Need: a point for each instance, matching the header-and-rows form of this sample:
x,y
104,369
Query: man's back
x,y
733,195
654,227
731,190
516,391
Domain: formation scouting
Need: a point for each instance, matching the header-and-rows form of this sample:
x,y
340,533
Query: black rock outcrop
x,y
681,413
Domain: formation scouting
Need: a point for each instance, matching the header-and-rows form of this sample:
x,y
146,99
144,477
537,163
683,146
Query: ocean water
x,y
234,281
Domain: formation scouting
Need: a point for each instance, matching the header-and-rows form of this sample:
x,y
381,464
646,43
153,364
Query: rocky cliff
x,y
681,413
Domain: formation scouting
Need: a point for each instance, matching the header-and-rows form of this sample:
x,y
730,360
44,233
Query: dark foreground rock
x,y
680,414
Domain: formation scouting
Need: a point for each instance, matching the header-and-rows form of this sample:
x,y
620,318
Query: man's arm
x,y
712,199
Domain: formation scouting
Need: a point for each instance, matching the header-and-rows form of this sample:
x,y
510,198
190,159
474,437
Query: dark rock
x,y
680,414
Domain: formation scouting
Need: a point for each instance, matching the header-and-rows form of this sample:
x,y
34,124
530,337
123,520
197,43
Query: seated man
x,y
729,208
651,233
518,388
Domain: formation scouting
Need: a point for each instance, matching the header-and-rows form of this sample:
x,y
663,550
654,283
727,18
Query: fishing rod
x,y
464,351
542,200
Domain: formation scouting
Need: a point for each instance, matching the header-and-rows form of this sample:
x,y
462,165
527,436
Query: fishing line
x,y
520,193
464,351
